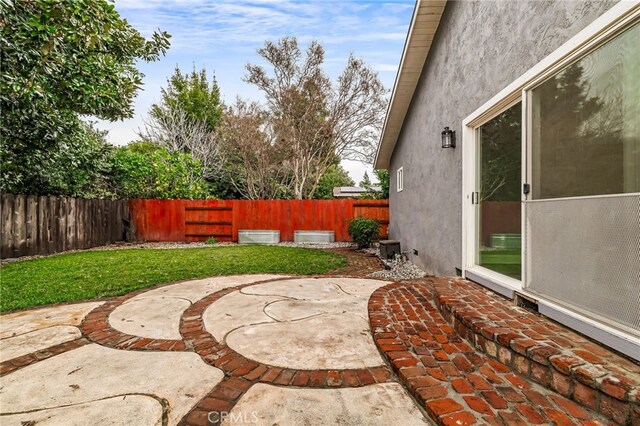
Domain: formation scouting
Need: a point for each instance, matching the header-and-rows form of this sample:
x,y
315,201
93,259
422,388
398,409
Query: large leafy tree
x,y
333,177
193,94
80,166
61,60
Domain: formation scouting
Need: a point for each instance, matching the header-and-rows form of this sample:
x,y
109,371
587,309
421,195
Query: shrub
x,y
211,240
364,231
147,171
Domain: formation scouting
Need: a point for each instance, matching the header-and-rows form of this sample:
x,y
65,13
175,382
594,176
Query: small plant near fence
x,y
364,231
211,240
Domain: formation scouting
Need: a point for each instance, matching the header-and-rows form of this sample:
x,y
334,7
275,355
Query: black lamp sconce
x,y
448,138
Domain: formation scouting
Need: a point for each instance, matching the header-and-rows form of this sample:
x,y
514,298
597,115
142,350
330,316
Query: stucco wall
x,y
480,47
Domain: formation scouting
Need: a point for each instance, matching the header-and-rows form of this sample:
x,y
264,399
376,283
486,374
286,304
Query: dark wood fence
x,y
499,217
197,220
33,225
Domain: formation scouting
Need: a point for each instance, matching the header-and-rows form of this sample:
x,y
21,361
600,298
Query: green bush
x,y
364,231
147,171
211,240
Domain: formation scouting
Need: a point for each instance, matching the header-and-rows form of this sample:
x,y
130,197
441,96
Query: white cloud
x,y
385,67
223,36
205,24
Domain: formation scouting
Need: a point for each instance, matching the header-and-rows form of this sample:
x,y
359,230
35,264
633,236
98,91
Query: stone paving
x,y
334,349
258,349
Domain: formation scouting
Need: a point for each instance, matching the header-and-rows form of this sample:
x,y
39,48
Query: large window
x,y
586,124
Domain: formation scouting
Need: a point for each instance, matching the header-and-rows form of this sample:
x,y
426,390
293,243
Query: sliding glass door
x,y
551,183
583,215
497,199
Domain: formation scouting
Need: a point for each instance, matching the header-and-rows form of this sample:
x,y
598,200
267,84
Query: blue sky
x,y
223,35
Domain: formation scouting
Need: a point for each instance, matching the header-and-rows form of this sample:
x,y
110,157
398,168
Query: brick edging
x,y
14,364
241,372
211,409
613,395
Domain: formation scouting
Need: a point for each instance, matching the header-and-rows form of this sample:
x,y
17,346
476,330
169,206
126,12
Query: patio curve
x,y
187,353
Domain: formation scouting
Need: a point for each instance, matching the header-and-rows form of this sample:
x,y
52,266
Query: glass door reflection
x,y
499,185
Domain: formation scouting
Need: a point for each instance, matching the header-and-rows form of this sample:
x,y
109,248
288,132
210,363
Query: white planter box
x,y
251,236
317,237
506,241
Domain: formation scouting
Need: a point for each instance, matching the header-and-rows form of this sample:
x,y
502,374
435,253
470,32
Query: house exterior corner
x,y
484,75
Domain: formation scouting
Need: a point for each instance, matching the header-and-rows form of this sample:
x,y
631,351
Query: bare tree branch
x,y
176,132
314,123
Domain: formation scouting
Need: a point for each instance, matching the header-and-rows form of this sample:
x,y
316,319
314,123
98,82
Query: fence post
x,y
19,230
70,234
7,225
31,224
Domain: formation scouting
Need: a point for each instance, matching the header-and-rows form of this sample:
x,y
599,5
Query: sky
x,y
223,35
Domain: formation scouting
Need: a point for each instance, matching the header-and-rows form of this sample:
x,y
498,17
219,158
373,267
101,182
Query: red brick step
x,y
537,347
455,383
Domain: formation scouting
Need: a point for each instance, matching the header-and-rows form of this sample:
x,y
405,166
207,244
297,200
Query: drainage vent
x,y
526,302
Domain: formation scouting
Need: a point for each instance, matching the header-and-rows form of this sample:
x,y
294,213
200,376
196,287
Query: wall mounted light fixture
x,y
448,138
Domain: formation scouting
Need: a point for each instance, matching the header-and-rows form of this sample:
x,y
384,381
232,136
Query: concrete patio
x,y
130,367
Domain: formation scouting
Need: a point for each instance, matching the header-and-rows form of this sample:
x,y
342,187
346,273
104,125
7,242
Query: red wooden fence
x,y
197,220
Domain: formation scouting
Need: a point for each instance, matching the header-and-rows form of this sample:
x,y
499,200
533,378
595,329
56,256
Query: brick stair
x,y
462,384
540,349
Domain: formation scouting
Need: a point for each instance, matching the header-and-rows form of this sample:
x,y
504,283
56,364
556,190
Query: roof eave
x,y
424,23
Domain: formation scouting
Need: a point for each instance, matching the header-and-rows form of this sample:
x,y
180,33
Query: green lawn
x,y
92,274
507,262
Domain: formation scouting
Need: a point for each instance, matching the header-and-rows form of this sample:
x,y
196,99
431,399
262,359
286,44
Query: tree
x,y
334,176
176,131
187,120
365,182
61,59
77,167
254,163
383,178
193,94
312,119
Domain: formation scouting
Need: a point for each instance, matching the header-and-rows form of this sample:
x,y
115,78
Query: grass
x,y
94,274
507,262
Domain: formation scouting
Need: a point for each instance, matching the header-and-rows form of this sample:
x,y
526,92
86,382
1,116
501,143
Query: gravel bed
x,y
202,244
374,249
400,270
317,245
